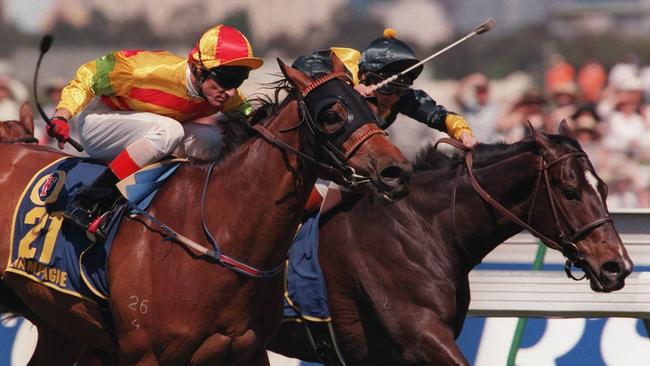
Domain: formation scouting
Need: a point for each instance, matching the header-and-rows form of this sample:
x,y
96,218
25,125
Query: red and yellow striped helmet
x,y
223,45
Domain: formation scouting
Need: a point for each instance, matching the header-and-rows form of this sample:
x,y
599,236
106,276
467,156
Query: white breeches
x,y
105,133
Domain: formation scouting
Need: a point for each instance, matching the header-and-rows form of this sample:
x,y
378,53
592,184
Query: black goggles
x,y
396,87
229,77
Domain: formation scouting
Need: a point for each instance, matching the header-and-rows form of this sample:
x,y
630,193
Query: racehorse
x,y
174,305
397,276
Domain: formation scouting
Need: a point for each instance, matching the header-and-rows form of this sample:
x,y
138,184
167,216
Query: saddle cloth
x,y
305,291
56,252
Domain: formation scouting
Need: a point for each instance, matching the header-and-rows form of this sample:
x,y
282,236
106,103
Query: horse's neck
x,y
258,195
479,228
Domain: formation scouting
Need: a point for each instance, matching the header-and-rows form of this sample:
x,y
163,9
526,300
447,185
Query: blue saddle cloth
x,y
56,252
306,295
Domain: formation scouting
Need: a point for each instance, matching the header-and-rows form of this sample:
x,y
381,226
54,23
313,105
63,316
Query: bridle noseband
x,y
326,88
565,243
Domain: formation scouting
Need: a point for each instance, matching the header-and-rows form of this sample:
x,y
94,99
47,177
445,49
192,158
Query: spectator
x,y
622,192
564,97
530,107
558,72
586,127
591,80
473,98
9,106
624,70
627,130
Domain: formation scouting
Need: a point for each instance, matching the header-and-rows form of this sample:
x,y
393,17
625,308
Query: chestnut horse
x,y
397,276
172,305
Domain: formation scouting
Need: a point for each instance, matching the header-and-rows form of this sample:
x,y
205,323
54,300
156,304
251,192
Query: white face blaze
x,y
593,182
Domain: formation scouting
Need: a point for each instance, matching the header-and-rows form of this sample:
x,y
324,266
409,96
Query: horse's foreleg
x,y
54,349
219,349
135,349
439,346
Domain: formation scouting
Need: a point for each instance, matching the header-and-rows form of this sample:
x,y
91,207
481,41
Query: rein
x,y
340,168
565,243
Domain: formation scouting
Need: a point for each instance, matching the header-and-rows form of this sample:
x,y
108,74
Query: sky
x,y
27,14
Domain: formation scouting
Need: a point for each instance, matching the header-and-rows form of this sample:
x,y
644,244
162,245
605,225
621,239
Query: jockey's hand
x,y
365,90
468,139
60,129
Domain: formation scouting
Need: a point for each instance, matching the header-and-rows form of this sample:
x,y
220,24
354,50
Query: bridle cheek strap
x,y
364,133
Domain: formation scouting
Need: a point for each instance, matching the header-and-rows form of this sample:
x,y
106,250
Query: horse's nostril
x,y
391,172
612,267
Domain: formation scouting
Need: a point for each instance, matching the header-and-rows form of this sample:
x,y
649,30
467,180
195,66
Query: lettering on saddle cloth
x,y
55,252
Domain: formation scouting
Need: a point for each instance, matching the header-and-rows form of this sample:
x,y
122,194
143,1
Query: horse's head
x,y
581,226
345,134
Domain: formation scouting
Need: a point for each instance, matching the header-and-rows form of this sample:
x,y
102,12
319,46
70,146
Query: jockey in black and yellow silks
x,y
385,57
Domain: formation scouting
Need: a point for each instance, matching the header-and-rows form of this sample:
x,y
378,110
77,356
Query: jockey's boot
x,y
94,200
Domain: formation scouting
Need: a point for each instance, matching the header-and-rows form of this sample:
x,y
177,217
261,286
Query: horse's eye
x,y
332,117
571,193
332,122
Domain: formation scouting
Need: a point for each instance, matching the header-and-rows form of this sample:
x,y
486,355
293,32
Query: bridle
x,y
310,101
565,242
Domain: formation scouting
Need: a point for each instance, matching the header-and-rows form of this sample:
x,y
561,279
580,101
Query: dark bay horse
x,y
397,276
173,306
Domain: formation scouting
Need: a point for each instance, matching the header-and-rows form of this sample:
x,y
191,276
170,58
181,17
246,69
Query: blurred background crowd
x,y
583,61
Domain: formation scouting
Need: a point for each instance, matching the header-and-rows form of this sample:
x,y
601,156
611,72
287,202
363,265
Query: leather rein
x,y
565,243
340,168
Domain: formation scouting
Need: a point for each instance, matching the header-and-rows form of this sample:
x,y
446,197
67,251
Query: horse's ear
x,y
27,117
530,130
565,130
297,78
337,63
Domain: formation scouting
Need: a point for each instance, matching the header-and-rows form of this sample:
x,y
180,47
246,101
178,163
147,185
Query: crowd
x,y
607,109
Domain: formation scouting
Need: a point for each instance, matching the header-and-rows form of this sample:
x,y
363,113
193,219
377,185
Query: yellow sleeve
x,y
456,125
78,93
350,58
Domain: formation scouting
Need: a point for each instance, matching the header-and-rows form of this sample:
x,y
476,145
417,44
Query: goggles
x,y
228,77
397,87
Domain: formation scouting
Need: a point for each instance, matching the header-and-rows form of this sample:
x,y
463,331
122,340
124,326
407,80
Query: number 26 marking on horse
x,y
142,309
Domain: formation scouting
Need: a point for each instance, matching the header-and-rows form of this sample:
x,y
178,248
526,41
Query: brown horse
x,y
397,276
173,306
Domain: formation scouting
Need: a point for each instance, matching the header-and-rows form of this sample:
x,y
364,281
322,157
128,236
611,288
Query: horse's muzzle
x,y
610,276
393,182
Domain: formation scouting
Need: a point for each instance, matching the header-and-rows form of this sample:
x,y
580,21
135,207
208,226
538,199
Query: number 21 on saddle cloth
x,y
56,252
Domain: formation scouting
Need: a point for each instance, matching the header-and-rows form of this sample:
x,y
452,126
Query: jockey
x,y
132,108
383,58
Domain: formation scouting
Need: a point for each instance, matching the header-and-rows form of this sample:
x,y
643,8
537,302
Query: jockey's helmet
x,y
387,56
223,46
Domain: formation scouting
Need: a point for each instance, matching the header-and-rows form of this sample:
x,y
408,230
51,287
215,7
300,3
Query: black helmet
x,y
388,56
318,64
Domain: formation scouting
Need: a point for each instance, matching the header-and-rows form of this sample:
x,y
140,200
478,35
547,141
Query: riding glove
x,y
59,128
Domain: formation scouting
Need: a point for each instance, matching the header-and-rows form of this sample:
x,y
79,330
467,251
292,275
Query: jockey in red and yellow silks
x,y
145,81
134,107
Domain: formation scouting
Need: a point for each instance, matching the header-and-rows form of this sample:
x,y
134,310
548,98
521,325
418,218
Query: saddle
x,y
53,251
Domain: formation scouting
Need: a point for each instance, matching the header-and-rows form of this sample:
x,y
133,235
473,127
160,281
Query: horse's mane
x,y
238,132
429,158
